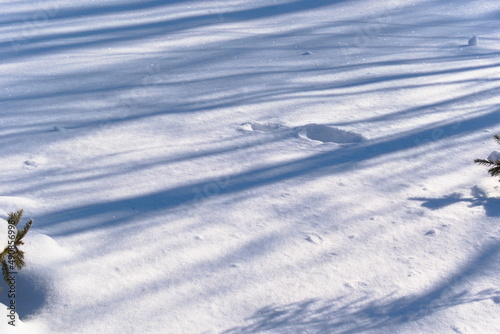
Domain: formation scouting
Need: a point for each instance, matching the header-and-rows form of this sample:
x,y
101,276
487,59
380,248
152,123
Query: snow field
x,y
252,167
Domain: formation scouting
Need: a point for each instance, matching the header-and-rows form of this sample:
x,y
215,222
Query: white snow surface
x,y
269,166
494,156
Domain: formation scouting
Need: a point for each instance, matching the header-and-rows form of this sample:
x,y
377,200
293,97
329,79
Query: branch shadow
x,y
133,31
28,294
479,197
329,163
309,314
359,316
343,316
249,90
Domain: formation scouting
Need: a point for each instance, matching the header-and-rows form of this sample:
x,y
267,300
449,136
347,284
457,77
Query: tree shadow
x,y
28,294
132,31
479,197
358,316
120,212
344,315
248,90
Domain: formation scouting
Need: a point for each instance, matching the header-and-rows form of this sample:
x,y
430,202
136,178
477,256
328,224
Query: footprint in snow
x,y
314,238
317,132
329,134
31,163
34,161
430,232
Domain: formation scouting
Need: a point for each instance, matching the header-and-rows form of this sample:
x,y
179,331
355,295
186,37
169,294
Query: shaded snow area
x,y
268,166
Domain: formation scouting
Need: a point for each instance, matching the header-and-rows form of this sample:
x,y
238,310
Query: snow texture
x,y
494,156
237,167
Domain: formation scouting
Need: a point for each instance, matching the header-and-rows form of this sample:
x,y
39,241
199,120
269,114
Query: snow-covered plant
x,y
493,161
11,257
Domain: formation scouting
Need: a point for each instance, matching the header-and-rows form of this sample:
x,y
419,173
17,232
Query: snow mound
x,y
14,203
328,134
494,156
473,41
34,283
43,250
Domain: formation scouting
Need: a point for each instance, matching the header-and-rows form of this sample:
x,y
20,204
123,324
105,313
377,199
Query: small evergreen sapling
x,y
493,161
12,258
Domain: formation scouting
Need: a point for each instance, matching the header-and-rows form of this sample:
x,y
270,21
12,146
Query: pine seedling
x,y
12,258
493,161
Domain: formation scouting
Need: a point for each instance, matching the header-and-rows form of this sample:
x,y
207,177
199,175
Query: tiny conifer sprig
x,y
12,257
494,165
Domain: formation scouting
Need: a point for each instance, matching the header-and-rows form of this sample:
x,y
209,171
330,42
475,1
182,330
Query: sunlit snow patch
x,y
10,323
14,203
35,282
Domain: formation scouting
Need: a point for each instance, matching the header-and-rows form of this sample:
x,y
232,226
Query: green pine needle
x,y
19,261
494,166
15,217
484,162
13,257
5,272
22,233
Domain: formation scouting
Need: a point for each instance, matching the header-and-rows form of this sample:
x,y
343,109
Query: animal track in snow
x,y
31,163
34,161
262,127
329,134
314,238
317,132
